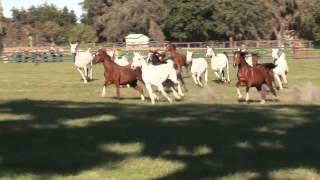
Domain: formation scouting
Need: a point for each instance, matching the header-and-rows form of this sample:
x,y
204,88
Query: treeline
x,y
173,20
45,24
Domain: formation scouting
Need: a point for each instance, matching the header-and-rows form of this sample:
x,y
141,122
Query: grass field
x,y
52,126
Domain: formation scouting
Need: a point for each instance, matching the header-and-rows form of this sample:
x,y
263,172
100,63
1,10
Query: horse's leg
x,y
91,69
284,77
179,76
262,94
269,84
198,79
138,88
161,89
179,88
206,77
85,69
175,93
151,94
194,78
238,90
217,74
247,93
223,77
118,89
82,75
103,93
279,83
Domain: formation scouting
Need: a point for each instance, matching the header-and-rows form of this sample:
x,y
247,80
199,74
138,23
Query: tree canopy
x,y
173,20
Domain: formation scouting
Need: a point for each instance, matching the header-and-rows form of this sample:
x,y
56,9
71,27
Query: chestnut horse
x,y
179,60
254,76
116,74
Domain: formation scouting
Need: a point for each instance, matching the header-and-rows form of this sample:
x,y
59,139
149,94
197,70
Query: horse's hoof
x,y
181,94
262,102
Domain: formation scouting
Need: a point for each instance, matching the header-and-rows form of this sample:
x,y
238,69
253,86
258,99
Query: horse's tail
x,y
228,71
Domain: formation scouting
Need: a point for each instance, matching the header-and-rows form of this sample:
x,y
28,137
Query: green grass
x,y
52,126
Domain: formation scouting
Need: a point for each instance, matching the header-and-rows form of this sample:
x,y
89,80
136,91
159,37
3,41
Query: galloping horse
x,y
198,67
156,75
116,74
180,60
219,62
282,68
254,76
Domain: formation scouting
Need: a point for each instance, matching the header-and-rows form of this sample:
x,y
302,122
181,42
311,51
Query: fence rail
x,y
294,49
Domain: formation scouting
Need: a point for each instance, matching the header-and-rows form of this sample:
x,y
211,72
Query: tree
x,y
45,22
309,20
82,33
121,17
285,15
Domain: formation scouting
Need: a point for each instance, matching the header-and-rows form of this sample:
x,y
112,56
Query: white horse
x,y
123,61
73,50
83,62
155,75
198,66
281,68
219,62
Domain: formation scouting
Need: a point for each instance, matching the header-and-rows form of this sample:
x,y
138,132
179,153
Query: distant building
x,y
133,40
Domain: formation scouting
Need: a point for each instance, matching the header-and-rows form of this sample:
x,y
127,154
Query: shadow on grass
x,y
36,137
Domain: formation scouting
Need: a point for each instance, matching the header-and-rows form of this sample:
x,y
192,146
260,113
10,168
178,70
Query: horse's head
x,y
189,56
100,56
238,56
73,47
209,52
170,47
154,57
136,60
274,54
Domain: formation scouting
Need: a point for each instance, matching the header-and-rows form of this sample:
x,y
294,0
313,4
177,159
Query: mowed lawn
x,y
52,126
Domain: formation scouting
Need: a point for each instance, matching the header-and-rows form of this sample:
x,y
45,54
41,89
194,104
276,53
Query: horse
x,y
254,76
156,75
198,67
219,62
73,50
180,60
160,59
157,59
116,74
279,59
83,61
122,61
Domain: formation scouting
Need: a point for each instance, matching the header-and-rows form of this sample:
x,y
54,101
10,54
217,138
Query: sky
x,y
71,5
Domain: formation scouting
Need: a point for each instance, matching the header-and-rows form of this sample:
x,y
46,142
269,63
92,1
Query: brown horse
x,y
254,76
116,74
180,61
